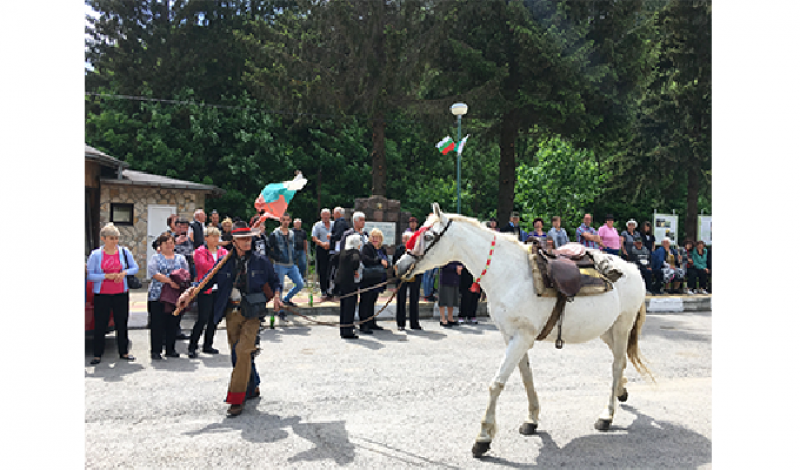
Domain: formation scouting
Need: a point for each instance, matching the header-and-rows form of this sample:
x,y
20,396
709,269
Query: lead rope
x,y
295,311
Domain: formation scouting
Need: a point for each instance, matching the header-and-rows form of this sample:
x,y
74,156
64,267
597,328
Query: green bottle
x,y
272,322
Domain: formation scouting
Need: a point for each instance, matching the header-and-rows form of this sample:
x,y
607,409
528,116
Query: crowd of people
x,y
665,269
343,247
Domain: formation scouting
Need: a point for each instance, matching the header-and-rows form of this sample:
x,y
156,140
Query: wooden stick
x,y
205,281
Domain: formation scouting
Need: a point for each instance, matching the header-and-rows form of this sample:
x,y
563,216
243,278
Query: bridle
x,y
436,237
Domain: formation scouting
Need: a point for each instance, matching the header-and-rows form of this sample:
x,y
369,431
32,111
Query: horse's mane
x,y
475,222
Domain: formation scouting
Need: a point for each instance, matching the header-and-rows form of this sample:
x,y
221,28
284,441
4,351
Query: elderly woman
x,y
205,258
163,325
628,238
226,238
347,278
107,267
372,255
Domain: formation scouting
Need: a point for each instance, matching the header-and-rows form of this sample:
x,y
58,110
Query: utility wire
x,y
246,108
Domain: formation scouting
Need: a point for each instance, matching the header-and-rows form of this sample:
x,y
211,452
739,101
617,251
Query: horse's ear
x,y
436,211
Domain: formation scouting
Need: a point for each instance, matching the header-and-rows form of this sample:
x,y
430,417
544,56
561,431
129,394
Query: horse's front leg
x,y
517,347
618,344
528,428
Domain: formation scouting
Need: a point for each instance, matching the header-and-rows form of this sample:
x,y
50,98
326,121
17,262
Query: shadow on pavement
x,y
365,341
330,439
674,328
389,335
646,443
276,335
177,364
478,329
112,370
427,334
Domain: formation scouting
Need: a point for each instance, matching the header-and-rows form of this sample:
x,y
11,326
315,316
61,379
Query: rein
x,y
295,311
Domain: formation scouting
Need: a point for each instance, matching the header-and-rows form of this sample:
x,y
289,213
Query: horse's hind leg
x,y
621,391
618,344
517,347
529,426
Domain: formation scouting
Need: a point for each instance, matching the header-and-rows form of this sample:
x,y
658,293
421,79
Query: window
x,y
122,214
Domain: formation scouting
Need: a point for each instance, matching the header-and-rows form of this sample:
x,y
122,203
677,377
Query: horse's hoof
x,y
480,448
528,429
602,424
624,396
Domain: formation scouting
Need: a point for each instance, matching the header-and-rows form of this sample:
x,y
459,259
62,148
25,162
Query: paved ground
x,y
402,400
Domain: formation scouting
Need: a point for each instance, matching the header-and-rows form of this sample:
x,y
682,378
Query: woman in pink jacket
x,y
204,259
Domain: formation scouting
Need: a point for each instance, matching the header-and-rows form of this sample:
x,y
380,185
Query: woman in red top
x,y
107,269
204,259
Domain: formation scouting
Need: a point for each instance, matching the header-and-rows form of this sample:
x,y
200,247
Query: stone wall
x,y
135,237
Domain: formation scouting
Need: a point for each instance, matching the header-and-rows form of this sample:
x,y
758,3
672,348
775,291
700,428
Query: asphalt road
x,y
402,400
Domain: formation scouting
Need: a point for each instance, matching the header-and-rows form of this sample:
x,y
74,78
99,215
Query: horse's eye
x,y
428,236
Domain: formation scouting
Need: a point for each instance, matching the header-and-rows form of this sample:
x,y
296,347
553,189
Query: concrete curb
x,y
329,311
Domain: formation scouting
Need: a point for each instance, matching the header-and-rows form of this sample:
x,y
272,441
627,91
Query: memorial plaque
x,y
388,229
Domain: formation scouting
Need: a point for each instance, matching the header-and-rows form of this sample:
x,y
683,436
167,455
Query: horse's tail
x,y
633,344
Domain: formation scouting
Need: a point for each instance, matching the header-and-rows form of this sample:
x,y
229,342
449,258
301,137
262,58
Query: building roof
x,y
140,178
104,159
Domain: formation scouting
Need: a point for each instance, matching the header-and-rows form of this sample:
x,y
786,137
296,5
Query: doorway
x,y
156,224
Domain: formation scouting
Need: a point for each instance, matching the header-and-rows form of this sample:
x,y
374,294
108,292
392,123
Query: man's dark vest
x,y
197,230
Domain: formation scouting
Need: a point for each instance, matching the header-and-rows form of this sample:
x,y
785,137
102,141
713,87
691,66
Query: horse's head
x,y
428,248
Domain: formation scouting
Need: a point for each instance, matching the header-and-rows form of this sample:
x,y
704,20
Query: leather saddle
x,y
563,273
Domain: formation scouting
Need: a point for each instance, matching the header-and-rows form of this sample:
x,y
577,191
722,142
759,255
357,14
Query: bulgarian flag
x,y
275,197
461,144
446,145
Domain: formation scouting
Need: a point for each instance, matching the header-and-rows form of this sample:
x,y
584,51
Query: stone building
x,y
137,203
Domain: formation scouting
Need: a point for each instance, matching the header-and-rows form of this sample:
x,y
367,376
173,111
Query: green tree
x,y
344,58
545,68
163,47
564,182
671,149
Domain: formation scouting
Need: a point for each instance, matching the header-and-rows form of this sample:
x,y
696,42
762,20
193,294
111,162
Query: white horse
x,y
616,316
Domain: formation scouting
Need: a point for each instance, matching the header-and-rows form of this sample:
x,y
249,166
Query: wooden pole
x,y
205,281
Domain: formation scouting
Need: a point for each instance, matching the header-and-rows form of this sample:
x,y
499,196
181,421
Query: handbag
x,y
373,273
133,281
254,305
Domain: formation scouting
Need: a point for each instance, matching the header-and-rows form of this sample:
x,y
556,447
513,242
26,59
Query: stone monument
x,y
384,214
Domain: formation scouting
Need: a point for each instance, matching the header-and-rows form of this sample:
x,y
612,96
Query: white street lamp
x,y
458,110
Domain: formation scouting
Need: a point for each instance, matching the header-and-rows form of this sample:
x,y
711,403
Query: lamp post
x,y
458,110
